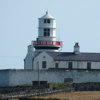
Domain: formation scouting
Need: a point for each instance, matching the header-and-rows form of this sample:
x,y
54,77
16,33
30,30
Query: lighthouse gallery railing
x,y
47,43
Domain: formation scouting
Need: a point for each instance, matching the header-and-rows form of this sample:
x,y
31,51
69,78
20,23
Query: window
x,y
88,66
56,65
70,65
46,32
46,20
43,64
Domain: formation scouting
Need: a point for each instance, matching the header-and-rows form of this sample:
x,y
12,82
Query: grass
x,y
25,85
60,85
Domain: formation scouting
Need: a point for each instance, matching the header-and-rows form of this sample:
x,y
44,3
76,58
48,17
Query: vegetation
x,y
60,85
25,85
38,99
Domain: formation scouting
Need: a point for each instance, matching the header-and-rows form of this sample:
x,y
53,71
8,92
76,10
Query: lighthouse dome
x,y
47,16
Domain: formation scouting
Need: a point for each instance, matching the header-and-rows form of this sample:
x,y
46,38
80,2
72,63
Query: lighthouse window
x,y
46,20
46,32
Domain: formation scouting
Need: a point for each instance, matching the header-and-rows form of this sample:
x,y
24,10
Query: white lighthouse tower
x,y
46,40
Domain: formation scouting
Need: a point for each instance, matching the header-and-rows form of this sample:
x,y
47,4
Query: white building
x,y
47,55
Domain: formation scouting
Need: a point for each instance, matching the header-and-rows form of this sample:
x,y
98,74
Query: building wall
x,y
50,38
33,64
52,23
28,59
95,65
28,62
43,57
20,77
51,26
62,64
79,64
76,64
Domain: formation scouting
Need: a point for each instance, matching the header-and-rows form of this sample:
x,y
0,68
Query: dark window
x,y
56,65
88,66
70,65
46,20
43,64
46,32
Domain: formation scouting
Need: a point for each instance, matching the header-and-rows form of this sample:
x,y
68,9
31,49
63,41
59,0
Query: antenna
x,y
47,11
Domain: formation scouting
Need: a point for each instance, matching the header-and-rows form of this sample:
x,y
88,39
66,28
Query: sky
x,y
77,21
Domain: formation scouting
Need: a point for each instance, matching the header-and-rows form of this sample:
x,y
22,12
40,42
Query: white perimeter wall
x,y
20,77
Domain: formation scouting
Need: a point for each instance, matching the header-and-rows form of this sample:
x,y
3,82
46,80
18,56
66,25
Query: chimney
x,y
30,49
76,48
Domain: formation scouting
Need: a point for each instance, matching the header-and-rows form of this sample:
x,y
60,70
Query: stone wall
x,y
4,77
20,77
89,86
13,89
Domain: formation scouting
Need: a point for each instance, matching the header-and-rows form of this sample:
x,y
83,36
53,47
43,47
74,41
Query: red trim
x,y
47,43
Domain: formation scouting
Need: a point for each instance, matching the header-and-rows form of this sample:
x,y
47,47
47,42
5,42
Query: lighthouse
x,y
46,40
